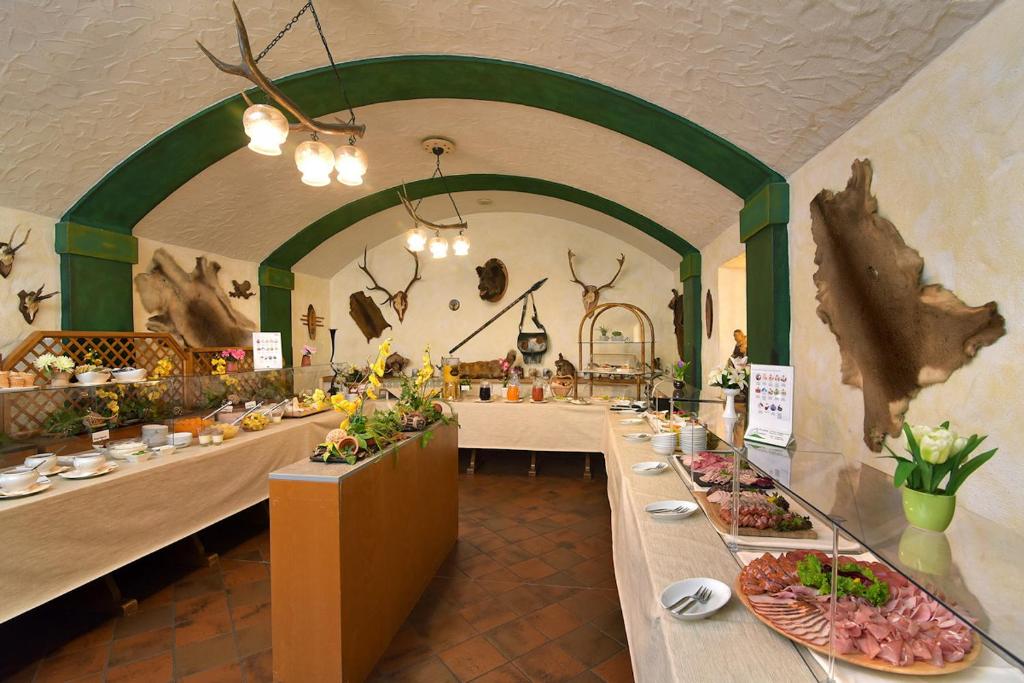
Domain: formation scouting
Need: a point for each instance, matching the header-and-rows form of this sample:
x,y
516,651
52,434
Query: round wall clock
x,y
454,304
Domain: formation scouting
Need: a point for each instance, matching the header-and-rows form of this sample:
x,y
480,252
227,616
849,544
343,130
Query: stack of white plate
x,y
693,438
154,435
664,443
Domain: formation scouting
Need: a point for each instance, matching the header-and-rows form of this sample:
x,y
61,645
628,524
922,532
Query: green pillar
x,y
276,285
764,229
95,278
689,275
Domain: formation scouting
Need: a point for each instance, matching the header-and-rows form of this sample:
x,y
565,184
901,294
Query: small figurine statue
x,y
740,350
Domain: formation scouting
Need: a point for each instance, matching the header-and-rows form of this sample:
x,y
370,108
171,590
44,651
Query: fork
x,y
703,594
663,511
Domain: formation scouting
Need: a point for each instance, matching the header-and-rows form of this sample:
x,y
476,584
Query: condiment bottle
x,y
537,394
485,391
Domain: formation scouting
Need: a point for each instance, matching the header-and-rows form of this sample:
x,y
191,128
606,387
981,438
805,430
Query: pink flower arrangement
x,y
234,354
308,350
505,365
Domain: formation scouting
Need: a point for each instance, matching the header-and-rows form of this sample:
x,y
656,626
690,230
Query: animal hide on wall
x,y
193,307
895,335
367,315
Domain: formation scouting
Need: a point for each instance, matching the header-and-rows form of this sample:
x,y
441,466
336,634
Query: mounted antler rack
x,y
250,71
399,300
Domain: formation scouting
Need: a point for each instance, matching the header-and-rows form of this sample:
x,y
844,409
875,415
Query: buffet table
x,y
650,554
81,530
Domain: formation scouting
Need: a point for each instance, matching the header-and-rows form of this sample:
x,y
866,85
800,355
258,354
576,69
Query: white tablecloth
x,y
526,426
80,530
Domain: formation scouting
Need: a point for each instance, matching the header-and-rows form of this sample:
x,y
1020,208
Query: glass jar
x,y
450,387
512,392
538,391
485,391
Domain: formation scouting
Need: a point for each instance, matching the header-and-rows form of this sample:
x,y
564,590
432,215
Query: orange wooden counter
x,y
352,549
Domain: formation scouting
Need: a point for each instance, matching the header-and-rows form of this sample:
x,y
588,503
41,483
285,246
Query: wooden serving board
x,y
723,527
915,669
305,413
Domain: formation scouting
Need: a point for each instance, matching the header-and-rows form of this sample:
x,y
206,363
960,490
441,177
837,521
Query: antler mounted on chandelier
x,y
416,240
268,128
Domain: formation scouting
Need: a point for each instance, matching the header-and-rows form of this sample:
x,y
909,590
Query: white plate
x,y
579,402
689,507
518,400
56,470
650,467
105,469
544,401
637,436
40,485
632,421
480,400
720,594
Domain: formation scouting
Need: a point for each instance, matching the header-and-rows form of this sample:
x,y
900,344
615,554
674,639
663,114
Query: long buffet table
x,y
81,530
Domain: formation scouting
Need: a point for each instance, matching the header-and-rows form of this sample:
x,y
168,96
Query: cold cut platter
x,y
760,514
882,621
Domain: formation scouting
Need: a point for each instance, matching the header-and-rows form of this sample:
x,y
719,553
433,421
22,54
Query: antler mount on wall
x,y
399,300
592,293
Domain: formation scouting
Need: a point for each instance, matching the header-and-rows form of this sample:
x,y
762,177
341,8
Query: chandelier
x,y
267,127
416,239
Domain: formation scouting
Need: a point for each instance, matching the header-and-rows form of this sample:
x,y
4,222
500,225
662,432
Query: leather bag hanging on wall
x,y
532,345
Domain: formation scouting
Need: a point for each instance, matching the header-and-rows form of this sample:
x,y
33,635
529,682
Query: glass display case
x,y
968,573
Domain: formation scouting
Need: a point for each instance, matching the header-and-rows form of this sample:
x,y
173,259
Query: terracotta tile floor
x,y
528,594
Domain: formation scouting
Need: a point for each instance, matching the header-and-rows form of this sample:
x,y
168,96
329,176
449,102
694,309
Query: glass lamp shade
x,y
416,240
461,245
351,164
316,161
438,247
267,129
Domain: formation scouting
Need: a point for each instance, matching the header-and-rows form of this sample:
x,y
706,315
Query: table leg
x,y
586,468
128,607
472,461
211,559
533,464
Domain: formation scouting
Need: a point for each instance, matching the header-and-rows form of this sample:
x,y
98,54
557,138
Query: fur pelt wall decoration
x,y
191,306
895,334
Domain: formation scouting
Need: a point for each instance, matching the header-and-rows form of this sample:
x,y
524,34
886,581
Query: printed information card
x,y
267,352
770,405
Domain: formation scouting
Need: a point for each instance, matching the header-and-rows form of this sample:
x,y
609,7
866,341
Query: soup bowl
x,y
89,462
17,479
42,462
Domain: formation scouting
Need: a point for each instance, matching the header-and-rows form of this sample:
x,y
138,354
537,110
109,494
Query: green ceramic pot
x,y
928,511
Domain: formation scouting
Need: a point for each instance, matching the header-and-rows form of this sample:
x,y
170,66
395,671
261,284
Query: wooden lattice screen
x,y
25,413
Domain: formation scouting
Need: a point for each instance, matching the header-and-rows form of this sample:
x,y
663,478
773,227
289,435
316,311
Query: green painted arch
x,y
134,187
319,231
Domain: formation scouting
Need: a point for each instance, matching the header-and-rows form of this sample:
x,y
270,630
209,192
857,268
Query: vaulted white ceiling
x,y
86,83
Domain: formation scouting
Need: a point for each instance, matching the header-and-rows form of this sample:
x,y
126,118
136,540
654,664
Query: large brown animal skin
x,y
191,306
895,334
485,369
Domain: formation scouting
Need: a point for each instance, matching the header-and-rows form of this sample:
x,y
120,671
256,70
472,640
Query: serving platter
x,y
723,527
296,414
919,668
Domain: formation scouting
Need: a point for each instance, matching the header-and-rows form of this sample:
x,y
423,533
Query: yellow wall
x,y
948,155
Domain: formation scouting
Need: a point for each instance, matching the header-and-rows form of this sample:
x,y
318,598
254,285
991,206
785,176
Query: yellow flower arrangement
x,y
218,366
377,369
163,368
111,398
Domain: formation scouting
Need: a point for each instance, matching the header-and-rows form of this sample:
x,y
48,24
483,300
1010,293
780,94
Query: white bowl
x,y
165,450
42,462
93,377
129,375
89,462
181,439
720,594
17,479
661,449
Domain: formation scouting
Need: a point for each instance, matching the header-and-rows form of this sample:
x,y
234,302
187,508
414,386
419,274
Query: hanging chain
x,y
330,57
287,27
447,191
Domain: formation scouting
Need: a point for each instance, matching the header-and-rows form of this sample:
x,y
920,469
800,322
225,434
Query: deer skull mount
x,y
7,251
592,293
399,300
28,303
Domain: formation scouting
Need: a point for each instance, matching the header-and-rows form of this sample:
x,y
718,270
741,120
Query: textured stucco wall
x,y
948,155
532,247
35,264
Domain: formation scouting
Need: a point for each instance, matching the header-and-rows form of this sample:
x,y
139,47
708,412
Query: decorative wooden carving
x,y
367,315
895,335
7,251
241,290
193,307
709,314
399,300
28,303
675,304
592,293
312,321
493,280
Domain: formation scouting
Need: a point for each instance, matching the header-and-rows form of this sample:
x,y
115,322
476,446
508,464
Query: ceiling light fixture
x,y
267,126
416,237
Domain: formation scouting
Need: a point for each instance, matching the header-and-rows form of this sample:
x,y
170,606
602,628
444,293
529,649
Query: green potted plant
x,y
604,333
939,463
679,369
616,335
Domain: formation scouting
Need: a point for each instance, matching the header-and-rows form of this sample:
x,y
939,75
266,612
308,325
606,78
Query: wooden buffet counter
x,y
352,549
